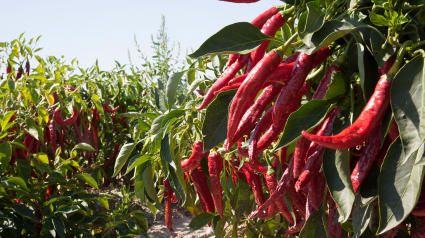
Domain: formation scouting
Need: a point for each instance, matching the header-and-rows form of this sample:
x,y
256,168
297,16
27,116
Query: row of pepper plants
x,y
306,122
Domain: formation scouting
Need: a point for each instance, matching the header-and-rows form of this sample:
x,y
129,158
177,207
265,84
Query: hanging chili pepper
x,y
113,157
200,92
369,118
215,165
9,69
334,229
295,229
52,131
195,158
27,67
58,117
315,153
270,28
19,73
95,132
368,157
303,66
387,65
222,81
106,108
280,190
249,89
389,139
200,180
114,122
168,194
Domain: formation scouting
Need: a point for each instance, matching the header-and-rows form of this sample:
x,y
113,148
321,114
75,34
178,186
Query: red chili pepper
x,y
168,194
106,108
255,182
200,92
195,158
254,112
200,180
280,190
303,66
27,68
122,119
9,70
257,145
368,157
58,117
363,127
69,88
387,65
247,92
321,184
114,122
295,229
222,81
315,153
61,144
215,165
52,131
96,117
334,229
19,73
269,28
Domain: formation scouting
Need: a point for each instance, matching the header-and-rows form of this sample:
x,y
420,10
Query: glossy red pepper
x,y
368,157
363,127
195,158
27,68
215,165
387,65
58,117
168,195
303,66
106,108
249,89
200,180
19,73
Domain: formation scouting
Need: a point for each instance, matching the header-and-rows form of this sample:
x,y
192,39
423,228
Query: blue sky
x,y
104,30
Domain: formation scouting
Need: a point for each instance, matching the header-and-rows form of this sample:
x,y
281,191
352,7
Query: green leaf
x,y
135,161
330,32
337,86
310,21
172,114
315,226
59,227
336,166
139,186
361,217
369,188
18,181
237,38
6,118
165,151
306,118
150,186
215,124
68,209
25,212
24,169
195,84
172,86
156,124
178,184
378,20
83,146
219,228
34,130
88,178
399,186
407,102
380,55
123,156
57,176
5,155
201,220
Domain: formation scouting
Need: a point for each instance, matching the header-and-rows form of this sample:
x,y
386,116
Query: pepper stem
x,y
270,169
397,64
282,49
340,62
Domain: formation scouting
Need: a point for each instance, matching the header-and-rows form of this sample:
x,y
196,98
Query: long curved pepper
x,y
106,108
58,118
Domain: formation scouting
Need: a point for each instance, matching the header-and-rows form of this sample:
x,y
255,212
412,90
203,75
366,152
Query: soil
x,y
157,228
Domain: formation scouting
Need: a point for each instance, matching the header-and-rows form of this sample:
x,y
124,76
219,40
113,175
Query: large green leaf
x,y
307,117
172,86
330,32
215,124
34,130
361,217
123,156
316,225
150,186
336,165
88,178
25,212
135,161
201,220
310,21
240,37
240,199
399,186
407,103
